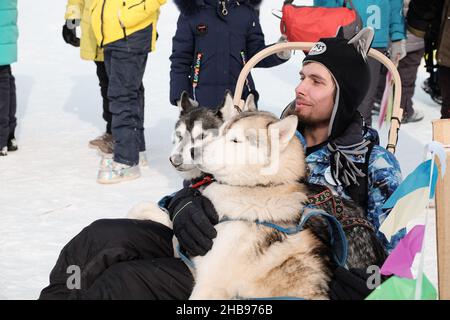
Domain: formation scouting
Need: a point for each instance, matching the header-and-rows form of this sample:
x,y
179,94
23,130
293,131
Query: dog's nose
x,y
176,160
195,153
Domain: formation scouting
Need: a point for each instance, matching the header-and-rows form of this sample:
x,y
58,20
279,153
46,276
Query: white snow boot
x,y
117,172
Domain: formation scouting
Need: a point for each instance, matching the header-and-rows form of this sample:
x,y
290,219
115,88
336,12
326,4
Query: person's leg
x,y
444,83
127,66
407,69
141,118
366,105
150,279
381,85
103,83
12,106
5,97
102,244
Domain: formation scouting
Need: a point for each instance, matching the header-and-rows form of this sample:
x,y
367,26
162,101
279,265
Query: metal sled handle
x,y
396,113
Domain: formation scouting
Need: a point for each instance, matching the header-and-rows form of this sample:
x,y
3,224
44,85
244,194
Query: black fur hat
x,y
347,62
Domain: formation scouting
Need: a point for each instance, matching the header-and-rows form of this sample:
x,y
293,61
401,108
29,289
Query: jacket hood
x,y
347,62
189,7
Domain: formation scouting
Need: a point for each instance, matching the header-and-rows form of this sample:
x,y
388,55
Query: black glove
x,y
193,217
349,284
70,36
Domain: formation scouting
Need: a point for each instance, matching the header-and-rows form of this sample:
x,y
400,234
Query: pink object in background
x,y
401,258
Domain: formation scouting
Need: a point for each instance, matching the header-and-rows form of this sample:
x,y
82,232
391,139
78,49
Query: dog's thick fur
x,y
251,260
195,126
248,259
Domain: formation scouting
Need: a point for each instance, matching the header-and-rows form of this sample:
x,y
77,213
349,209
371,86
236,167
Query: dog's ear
x,y
250,104
285,128
185,104
227,110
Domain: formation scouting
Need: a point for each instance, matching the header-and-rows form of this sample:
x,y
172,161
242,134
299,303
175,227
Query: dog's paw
x,y
149,211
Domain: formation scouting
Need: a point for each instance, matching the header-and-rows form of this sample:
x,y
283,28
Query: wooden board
x,y
441,133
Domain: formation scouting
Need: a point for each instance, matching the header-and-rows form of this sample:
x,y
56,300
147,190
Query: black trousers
x,y
125,62
365,108
8,105
407,69
103,83
121,259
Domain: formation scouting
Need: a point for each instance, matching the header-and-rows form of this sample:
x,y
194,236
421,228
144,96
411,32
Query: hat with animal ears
x,y
347,62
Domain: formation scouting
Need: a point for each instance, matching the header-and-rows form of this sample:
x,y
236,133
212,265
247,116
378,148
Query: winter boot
x,y
376,108
106,137
12,143
4,151
143,162
107,160
431,86
416,116
117,172
106,147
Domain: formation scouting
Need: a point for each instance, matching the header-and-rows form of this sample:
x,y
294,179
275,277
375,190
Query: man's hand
x,y
285,55
193,217
69,32
397,51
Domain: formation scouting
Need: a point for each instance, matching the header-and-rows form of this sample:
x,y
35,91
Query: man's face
x,y
314,96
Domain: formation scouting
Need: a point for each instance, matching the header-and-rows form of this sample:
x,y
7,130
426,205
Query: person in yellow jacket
x,y
126,30
77,13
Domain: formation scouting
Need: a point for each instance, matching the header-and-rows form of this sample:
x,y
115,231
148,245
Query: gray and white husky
x,y
195,126
249,259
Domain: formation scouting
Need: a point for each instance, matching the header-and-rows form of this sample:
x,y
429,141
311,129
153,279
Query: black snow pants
x,y
121,259
8,105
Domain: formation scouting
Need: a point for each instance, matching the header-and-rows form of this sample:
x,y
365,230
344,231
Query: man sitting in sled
x,y
134,259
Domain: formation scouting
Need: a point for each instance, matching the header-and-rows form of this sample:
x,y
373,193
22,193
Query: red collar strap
x,y
205,181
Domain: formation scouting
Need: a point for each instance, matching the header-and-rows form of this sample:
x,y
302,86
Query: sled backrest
x,y
397,111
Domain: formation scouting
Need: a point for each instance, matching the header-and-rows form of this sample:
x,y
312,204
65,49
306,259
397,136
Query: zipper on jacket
x,y
137,4
101,20
121,23
224,8
197,65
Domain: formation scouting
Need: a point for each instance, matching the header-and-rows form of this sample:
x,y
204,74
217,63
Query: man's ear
x,y
363,41
250,104
285,128
185,104
227,110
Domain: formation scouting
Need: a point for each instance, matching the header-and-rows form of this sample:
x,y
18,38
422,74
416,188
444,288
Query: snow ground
x,y
48,191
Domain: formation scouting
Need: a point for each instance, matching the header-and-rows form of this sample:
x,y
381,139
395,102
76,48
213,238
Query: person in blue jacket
x,y
8,54
213,41
387,20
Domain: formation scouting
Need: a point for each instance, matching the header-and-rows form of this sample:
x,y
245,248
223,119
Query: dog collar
x,y
205,181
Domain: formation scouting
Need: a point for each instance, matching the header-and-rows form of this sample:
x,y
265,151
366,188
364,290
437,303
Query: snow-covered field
x,y
48,189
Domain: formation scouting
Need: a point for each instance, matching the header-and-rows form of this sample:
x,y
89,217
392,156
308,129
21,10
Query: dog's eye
x,y
235,140
201,136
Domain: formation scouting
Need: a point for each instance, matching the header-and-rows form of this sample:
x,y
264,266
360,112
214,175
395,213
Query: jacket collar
x,y
189,7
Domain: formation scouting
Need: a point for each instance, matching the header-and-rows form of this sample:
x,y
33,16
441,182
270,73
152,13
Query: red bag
x,y
309,24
